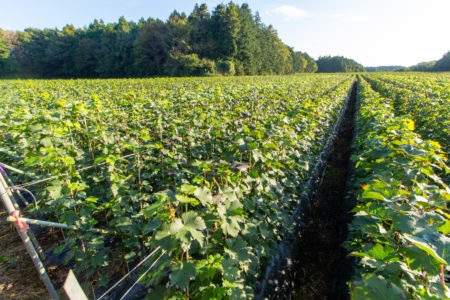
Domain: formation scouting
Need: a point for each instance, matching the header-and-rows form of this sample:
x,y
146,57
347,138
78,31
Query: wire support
x,y
77,170
126,275
142,276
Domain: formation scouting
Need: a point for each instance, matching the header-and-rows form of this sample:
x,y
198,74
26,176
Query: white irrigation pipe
x,y
15,170
54,224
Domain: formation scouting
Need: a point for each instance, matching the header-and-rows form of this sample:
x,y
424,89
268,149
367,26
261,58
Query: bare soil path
x,y
320,258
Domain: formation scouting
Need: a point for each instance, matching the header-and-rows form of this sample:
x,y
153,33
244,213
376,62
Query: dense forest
x,y
335,64
230,40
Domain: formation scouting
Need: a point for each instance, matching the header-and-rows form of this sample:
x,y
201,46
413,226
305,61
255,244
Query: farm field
x,y
399,234
199,178
425,99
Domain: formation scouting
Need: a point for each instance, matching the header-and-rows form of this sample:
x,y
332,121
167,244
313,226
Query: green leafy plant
x,y
208,170
399,235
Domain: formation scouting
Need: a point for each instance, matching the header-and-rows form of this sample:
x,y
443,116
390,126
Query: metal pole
x,y
36,244
17,192
8,191
7,203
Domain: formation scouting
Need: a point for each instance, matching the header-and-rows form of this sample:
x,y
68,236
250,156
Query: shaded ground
x,y
18,277
320,258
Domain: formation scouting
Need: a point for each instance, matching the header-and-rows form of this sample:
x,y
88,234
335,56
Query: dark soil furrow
x,y
322,269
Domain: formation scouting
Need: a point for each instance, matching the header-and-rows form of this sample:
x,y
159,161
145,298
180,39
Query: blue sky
x,y
373,32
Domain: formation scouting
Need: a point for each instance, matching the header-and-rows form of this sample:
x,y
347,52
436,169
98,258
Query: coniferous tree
x,y
247,46
201,34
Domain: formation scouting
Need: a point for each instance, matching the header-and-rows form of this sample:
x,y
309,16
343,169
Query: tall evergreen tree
x,y
179,31
4,55
201,34
152,48
247,46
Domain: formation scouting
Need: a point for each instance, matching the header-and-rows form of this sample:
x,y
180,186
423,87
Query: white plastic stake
x,y
73,289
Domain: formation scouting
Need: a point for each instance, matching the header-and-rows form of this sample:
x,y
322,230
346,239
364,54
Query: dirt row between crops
x,y
322,268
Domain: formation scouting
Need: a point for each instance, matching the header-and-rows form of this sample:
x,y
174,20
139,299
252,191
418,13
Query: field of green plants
x,y
401,226
204,174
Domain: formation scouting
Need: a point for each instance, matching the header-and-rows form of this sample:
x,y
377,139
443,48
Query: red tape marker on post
x,y
22,224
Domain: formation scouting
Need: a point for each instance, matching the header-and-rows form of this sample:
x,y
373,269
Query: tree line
x,y
230,40
440,65
383,68
334,64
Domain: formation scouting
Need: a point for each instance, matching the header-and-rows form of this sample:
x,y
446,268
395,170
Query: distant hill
x,y
440,65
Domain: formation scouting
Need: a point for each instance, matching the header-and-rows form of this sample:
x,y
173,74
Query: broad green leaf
x,y
230,269
419,260
404,223
188,189
445,228
185,199
380,252
46,142
181,274
203,195
189,226
230,225
425,247
373,195
376,288
237,249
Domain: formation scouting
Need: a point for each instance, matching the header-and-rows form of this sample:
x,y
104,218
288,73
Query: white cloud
x,y
289,12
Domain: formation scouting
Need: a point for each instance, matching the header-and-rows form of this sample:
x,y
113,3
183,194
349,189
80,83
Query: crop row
x,y
426,102
435,85
399,236
208,170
